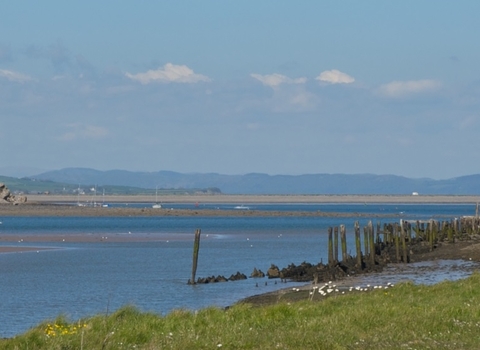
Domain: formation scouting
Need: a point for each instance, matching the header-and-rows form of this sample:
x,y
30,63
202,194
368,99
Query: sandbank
x,y
250,199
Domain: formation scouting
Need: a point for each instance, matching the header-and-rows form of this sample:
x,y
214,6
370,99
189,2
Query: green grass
x,y
443,316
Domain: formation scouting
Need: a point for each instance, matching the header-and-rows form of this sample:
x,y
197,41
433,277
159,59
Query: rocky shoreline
x,y
468,251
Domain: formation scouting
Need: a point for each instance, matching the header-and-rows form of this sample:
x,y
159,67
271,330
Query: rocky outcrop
x,y
6,195
212,279
273,271
237,277
257,273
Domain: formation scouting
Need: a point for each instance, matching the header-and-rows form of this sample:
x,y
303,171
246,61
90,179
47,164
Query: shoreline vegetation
x,y
441,316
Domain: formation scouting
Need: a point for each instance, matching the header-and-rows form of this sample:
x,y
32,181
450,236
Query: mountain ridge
x,y
259,183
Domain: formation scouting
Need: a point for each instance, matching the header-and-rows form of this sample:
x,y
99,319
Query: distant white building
x,y
414,193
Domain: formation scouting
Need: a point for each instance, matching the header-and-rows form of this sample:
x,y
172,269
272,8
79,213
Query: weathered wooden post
x,y
397,242
343,238
386,237
455,229
378,232
365,240
335,244
402,227
196,247
431,233
443,231
404,246
358,244
475,221
371,232
330,247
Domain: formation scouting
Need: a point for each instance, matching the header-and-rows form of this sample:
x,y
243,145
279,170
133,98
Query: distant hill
x,y
36,186
269,184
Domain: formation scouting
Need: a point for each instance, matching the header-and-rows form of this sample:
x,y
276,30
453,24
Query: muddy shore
x,y
454,254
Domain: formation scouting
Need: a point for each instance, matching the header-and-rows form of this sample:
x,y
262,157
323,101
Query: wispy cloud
x,y
14,76
274,80
82,131
335,77
397,89
170,73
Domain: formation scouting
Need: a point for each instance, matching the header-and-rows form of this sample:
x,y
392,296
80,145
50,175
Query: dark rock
x,y
237,277
257,273
273,272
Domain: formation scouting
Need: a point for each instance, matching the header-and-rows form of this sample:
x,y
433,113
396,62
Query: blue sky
x,y
275,87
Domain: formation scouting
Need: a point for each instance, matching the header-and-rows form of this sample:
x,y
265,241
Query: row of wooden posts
x,y
401,235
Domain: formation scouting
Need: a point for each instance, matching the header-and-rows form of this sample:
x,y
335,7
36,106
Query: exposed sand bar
x,y
10,249
248,199
45,209
51,205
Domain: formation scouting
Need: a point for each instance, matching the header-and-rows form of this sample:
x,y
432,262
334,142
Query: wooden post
x,y
402,227
386,237
358,244
397,242
430,234
330,247
443,231
365,240
378,232
371,232
475,221
404,246
196,247
343,238
335,244
455,229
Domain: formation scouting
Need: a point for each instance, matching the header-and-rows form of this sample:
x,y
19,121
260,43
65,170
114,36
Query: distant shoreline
x,y
247,199
65,206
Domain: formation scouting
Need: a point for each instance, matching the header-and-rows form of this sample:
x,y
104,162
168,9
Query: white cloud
x,y
275,80
81,131
405,88
14,76
335,77
170,73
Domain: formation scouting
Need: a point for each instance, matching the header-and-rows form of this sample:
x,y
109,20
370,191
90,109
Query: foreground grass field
x,y
443,316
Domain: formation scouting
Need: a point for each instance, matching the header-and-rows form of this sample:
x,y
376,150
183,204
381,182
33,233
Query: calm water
x,y
82,279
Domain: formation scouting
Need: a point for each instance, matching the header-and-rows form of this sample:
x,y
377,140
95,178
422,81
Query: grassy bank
x,y
443,316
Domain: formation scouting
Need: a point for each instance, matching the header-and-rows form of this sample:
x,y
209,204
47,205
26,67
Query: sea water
x,y
83,279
